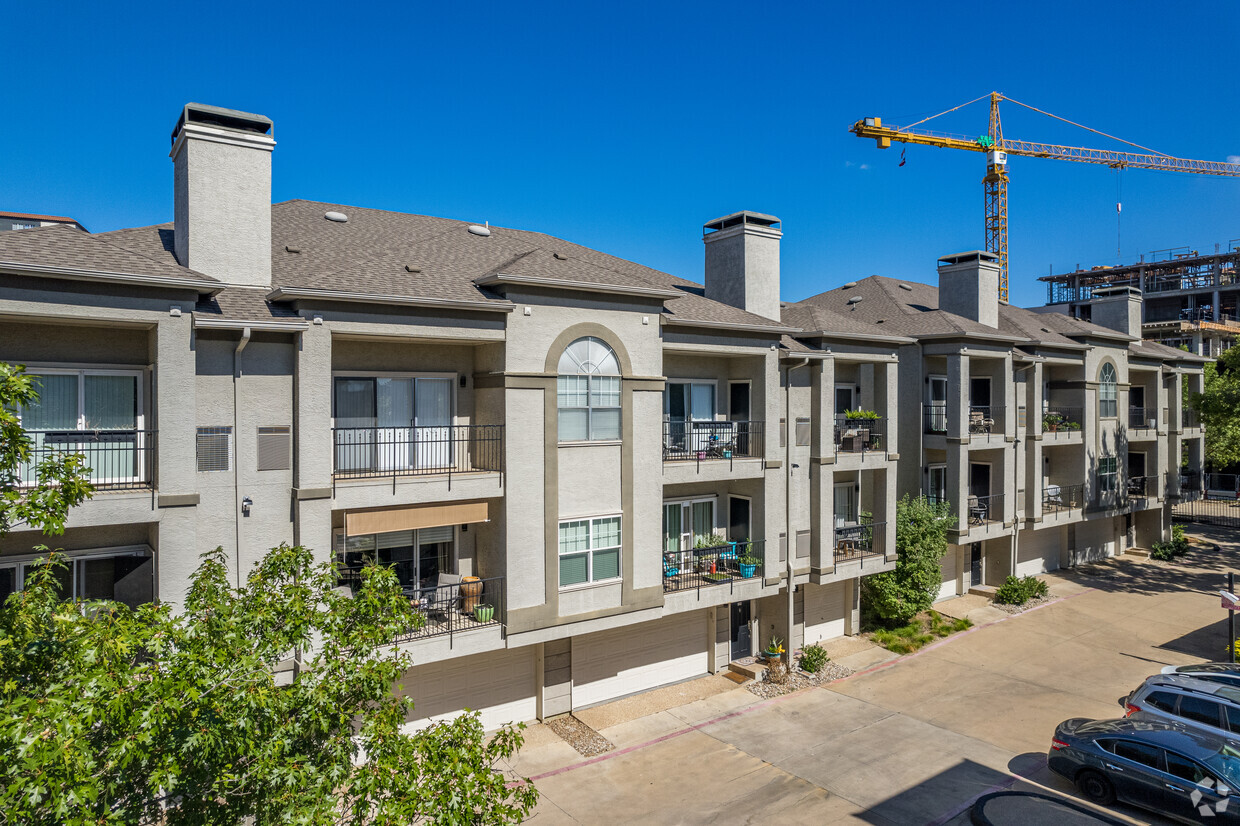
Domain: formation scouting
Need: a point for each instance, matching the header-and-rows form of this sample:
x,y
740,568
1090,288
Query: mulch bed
x,y
577,734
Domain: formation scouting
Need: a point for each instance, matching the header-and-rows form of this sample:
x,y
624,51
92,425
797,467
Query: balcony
x,y
1059,419
447,607
704,441
985,421
1189,419
861,542
380,452
858,435
1142,417
1058,499
722,564
934,418
115,459
985,510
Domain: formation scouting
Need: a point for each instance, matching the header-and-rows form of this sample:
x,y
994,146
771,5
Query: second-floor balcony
x,y
701,441
1060,419
860,543
1142,417
362,452
115,459
1189,419
1062,498
855,434
446,605
723,563
984,510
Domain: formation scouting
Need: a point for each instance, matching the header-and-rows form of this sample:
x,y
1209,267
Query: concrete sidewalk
x,y
907,740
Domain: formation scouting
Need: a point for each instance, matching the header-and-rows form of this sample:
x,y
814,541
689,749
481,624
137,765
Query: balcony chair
x,y
978,512
979,422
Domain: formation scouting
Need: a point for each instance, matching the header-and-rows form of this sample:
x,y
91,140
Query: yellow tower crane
x,y
997,149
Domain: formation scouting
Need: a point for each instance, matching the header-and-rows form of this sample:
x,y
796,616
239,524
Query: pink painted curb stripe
x,y
690,727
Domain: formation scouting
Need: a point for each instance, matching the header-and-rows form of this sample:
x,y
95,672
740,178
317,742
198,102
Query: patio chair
x,y
447,594
979,422
978,512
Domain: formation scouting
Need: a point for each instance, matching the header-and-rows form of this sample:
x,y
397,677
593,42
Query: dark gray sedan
x,y
1181,774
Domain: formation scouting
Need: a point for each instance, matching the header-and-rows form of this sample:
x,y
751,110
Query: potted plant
x,y
484,612
852,415
774,648
748,565
1051,421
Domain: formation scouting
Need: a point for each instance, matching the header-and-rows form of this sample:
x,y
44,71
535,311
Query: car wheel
x,y
1096,788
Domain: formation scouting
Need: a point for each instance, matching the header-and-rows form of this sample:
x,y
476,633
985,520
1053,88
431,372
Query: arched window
x,y
588,392
1108,406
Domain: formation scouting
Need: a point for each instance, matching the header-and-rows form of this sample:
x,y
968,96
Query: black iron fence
x,y
984,509
1056,419
446,606
934,417
722,564
689,441
1208,510
117,459
856,435
417,451
860,542
1060,498
1142,417
1140,487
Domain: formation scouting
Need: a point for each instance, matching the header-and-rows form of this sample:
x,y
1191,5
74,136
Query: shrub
x,y
905,639
813,658
1167,551
1016,591
1163,551
921,541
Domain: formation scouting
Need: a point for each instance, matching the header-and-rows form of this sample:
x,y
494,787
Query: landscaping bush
x,y
921,540
1015,591
1167,551
905,639
813,658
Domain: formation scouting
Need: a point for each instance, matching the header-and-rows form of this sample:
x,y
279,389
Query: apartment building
x,y
591,478
1054,440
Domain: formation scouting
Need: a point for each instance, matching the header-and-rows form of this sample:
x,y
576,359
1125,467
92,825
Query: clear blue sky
x,y
626,126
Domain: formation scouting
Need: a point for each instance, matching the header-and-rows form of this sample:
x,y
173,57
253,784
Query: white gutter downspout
x,y
245,339
789,437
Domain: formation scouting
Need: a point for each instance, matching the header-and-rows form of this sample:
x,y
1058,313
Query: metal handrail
x,y
119,459
1056,498
860,542
697,568
444,609
372,451
700,441
858,435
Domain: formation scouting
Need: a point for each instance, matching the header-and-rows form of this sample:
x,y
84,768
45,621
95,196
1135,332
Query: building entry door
x,y
742,645
975,564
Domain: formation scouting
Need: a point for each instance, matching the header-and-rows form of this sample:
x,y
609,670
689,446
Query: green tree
x,y
61,480
921,541
1219,409
272,701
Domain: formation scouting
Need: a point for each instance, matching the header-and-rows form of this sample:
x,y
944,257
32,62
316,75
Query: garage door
x,y
1037,552
948,588
824,611
500,684
611,664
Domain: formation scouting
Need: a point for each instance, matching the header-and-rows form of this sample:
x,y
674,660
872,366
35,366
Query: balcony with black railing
x,y
984,510
704,441
1141,487
863,542
934,418
445,606
856,434
726,563
369,452
985,421
1142,418
115,459
1057,499
1062,420
1189,419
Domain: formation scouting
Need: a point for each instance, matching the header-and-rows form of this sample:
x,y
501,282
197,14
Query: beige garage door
x,y
824,611
500,684
611,664
948,588
1038,551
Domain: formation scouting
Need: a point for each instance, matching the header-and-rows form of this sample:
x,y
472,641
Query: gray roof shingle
x,y
65,247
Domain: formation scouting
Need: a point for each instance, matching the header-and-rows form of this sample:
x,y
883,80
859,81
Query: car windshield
x,y
1226,764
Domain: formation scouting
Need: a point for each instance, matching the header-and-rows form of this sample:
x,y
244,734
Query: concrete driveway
x,y
913,740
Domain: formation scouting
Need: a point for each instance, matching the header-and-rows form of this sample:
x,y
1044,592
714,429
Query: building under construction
x,y
1188,298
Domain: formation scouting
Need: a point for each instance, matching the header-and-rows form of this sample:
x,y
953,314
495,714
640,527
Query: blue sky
x,y
626,126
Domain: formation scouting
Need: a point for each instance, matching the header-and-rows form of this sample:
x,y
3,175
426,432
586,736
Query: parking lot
x,y
904,741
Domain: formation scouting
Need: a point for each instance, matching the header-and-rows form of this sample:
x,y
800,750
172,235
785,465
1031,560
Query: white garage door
x,y
500,684
611,664
948,588
824,611
1037,552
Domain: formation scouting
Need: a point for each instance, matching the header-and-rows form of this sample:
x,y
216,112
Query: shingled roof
x,y
64,250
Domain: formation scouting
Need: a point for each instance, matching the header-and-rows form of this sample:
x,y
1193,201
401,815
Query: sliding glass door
x,y
95,413
393,424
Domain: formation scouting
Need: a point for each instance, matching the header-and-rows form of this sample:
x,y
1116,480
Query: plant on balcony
x,y
1051,421
271,702
706,541
921,542
484,612
747,562
852,415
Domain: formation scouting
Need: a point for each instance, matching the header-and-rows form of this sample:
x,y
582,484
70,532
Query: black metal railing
x,y
934,417
860,542
1189,482
1058,419
117,459
442,609
857,435
1140,487
984,509
1222,484
1189,418
417,451
722,564
690,441
1060,498
985,419
1142,417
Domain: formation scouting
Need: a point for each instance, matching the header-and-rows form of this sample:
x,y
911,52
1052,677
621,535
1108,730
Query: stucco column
x,y
312,416
822,458
887,384
174,387
888,512
1031,442
1009,399
957,440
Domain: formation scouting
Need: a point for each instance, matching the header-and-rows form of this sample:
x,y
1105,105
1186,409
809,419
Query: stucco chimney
x,y
742,262
1118,308
969,286
222,165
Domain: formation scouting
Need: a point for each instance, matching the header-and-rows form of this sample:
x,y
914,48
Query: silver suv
x,y
1207,706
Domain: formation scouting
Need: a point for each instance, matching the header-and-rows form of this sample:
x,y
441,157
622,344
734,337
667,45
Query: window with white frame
x,y
417,557
393,422
1108,475
688,523
936,484
588,392
121,575
589,551
1107,392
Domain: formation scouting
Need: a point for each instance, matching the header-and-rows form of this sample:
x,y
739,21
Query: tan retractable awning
x,y
358,523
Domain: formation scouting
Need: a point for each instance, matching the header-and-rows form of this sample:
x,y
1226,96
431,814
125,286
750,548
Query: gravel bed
x,y
799,679
1018,609
577,734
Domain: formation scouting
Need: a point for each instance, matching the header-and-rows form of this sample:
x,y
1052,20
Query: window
x,y
687,524
689,401
125,576
1108,475
1164,700
588,392
1199,710
274,448
589,551
936,486
214,449
1142,753
418,557
393,423
1184,768
1233,718
1107,393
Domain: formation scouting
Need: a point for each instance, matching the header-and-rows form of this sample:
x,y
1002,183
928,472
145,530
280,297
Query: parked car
x,y
1180,773
1210,707
1226,673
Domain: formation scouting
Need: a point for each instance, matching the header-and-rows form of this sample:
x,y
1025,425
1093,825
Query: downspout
x,y
789,437
245,339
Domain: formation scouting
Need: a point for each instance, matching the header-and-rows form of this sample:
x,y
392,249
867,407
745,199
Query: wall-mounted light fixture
x,y
245,506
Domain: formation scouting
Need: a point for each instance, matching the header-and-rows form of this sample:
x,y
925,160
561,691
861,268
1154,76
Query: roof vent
x,y
1045,329
485,232
287,248
855,300
905,287
412,268
850,285
559,256
880,321
338,217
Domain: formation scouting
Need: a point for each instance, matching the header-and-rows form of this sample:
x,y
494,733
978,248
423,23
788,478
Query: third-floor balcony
x,y
858,433
116,459
710,440
379,451
978,422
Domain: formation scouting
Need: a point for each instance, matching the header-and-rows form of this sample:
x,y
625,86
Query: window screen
x,y
274,448
214,449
